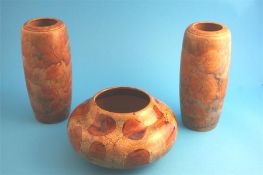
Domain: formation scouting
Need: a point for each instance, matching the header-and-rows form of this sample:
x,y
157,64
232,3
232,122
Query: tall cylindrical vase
x,y
204,74
47,68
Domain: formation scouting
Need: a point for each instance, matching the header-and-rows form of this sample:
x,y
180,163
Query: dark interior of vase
x,y
43,22
122,100
208,26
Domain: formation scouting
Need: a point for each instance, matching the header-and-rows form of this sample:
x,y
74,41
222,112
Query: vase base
x,y
52,119
192,126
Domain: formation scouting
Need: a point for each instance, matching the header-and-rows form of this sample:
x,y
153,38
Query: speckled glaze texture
x,y
47,68
204,71
122,140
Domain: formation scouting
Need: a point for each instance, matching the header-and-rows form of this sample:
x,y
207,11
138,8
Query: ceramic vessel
x,y
204,74
122,127
47,68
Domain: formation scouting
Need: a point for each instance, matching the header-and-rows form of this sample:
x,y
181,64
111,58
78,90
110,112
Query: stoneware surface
x,y
204,71
47,67
122,127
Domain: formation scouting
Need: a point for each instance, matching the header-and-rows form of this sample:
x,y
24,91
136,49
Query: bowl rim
x,y
123,87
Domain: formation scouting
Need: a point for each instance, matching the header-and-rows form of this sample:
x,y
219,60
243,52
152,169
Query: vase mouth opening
x,y
122,100
208,26
43,24
206,29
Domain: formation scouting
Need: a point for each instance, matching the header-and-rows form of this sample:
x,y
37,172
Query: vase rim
x,y
207,28
43,24
128,88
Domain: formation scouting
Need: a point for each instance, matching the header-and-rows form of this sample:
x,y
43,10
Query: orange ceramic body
x,y
122,127
47,67
204,74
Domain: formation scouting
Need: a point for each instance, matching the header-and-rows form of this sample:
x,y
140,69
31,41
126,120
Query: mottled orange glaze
x,y
47,67
137,158
222,88
204,74
123,139
160,123
203,88
82,109
133,129
76,135
102,125
97,150
158,112
172,135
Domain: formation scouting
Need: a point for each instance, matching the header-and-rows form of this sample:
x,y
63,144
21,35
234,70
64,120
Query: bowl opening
x,y
122,100
207,26
43,22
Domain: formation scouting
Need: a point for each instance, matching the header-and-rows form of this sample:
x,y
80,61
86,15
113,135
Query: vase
x,y
47,68
122,127
204,71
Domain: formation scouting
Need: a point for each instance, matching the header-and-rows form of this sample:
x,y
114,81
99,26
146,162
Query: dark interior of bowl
x,y
122,100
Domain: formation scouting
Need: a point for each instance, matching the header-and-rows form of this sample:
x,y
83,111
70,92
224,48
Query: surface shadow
x,y
16,107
